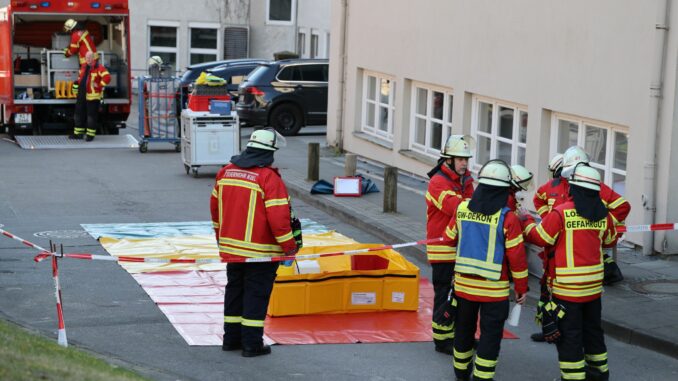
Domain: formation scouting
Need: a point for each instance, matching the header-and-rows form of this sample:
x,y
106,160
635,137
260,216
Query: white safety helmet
x,y
521,178
573,156
496,173
155,61
267,139
556,162
585,176
458,146
69,25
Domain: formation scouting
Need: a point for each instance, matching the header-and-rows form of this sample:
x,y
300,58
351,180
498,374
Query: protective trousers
x,y
86,115
492,317
246,301
442,274
581,349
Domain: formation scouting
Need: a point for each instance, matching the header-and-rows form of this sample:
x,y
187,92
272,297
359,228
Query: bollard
x,y
350,164
390,189
313,162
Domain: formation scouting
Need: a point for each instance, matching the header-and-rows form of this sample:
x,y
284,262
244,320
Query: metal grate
x,y
63,142
236,41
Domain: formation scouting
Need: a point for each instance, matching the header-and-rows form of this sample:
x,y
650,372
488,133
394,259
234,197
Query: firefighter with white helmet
x,y
155,64
489,241
521,181
81,40
252,218
571,312
450,184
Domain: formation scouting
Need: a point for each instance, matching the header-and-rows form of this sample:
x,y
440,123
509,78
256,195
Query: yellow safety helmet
x,y
496,173
585,176
556,162
573,156
521,178
266,139
458,146
69,25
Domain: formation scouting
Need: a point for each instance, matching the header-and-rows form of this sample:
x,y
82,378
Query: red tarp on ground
x,y
193,303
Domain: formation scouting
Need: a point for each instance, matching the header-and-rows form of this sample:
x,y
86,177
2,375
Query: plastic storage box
x,y
374,281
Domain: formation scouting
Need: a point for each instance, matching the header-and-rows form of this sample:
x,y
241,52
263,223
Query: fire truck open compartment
x,y
43,76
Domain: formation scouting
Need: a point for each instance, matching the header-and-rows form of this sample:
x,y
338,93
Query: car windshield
x,y
256,74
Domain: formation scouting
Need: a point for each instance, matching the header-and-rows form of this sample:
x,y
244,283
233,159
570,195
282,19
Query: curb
x,y
614,329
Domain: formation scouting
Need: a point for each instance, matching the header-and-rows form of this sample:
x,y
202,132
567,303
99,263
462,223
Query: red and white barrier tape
x,y
23,241
646,228
281,258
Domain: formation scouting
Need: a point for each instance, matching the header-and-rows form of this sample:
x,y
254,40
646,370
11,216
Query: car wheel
x,y
286,119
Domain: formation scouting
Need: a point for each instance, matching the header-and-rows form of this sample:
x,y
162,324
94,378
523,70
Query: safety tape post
x,y
61,338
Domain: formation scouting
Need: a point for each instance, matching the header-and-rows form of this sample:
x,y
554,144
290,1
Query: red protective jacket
x,y
81,42
97,79
479,289
445,191
577,271
251,213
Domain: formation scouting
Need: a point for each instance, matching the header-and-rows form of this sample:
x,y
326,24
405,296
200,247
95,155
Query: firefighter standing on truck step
x,y
81,41
251,215
89,90
450,184
578,229
489,242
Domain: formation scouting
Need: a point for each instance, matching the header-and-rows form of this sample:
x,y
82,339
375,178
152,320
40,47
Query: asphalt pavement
x,y
49,193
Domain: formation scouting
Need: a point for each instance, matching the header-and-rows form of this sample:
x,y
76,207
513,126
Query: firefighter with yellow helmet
x,y
81,40
450,184
489,241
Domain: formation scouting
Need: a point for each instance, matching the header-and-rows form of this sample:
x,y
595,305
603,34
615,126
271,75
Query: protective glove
x,y
445,314
66,53
74,89
552,312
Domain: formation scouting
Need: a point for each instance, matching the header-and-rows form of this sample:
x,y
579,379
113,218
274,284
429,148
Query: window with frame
x,y
500,130
163,42
280,12
301,44
378,101
431,118
314,45
204,45
606,145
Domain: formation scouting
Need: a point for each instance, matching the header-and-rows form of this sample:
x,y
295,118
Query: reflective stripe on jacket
x,y
577,274
97,79
81,42
479,288
445,192
251,213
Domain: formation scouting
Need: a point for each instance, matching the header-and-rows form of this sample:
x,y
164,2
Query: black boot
x,y
231,346
74,136
446,347
89,138
256,351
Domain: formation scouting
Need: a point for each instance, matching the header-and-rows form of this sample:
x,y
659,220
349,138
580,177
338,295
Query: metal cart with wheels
x,y
158,112
208,139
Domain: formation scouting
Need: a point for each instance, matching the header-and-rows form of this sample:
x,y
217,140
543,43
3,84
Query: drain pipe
x,y
342,80
656,89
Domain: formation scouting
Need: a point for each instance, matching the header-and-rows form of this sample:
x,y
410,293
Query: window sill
x,y
419,157
374,139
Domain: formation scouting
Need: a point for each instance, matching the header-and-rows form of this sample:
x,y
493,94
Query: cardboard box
x,y
373,281
27,80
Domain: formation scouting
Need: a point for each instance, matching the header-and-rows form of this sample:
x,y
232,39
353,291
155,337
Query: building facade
x,y
525,78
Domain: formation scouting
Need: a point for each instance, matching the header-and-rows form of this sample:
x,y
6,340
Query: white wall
x,y
590,59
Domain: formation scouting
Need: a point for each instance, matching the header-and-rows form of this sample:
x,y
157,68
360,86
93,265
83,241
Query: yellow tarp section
x,y
192,247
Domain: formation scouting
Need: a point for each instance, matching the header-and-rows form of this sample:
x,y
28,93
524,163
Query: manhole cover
x,y
62,234
668,287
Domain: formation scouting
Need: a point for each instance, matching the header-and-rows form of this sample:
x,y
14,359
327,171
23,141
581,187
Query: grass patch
x,y
26,356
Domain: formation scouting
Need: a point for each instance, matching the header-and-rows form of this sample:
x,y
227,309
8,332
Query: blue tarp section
x,y
173,229
324,187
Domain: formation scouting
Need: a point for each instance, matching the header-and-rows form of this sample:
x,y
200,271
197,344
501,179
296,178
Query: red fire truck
x,y
36,77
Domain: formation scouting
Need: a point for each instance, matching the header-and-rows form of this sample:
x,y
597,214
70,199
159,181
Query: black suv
x,y
286,95
235,73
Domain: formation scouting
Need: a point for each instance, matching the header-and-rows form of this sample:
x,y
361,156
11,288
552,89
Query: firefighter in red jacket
x,y
450,184
578,229
81,40
251,215
489,242
89,89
